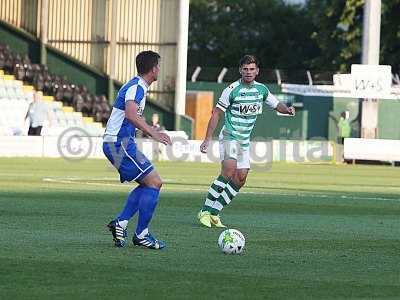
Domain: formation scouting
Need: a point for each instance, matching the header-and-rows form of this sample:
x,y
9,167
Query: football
x,y
231,241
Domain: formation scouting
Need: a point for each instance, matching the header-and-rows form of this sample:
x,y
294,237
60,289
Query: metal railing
x,y
278,76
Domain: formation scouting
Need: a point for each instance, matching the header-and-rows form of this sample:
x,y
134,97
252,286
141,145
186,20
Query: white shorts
x,y
233,150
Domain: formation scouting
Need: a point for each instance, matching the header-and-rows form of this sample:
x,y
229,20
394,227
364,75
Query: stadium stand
x,y
69,105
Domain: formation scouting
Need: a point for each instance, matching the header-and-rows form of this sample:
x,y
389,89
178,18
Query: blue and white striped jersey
x,y
118,127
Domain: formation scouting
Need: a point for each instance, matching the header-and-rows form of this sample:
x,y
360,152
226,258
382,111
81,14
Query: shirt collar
x,y
245,84
144,81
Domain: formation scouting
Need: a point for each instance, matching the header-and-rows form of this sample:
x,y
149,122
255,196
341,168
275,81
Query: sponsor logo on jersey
x,y
249,109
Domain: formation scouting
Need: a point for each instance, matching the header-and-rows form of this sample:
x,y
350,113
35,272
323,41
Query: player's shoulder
x,y
134,82
234,85
136,85
261,87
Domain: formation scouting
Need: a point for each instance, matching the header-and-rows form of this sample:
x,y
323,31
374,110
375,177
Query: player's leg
x,y
118,226
232,187
148,200
209,209
131,165
228,154
228,168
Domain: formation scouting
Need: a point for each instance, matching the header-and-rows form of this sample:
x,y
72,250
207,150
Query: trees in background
x,y
222,31
337,32
320,35
390,34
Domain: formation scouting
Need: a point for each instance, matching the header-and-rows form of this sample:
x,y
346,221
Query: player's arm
x,y
27,112
212,124
281,107
131,113
222,104
284,109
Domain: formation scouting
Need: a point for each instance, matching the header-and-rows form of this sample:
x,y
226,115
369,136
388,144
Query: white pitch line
x,y
77,182
56,180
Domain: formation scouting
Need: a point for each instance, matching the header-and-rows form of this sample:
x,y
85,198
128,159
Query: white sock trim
x,y
226,198
218,206
231,190
123,223
143,233
219,183
213,192
208,202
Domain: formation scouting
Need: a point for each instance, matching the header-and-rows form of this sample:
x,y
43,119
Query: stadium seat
x,y
14,102
38,78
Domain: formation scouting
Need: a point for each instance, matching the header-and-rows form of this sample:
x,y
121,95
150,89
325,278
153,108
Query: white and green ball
x,y
231,241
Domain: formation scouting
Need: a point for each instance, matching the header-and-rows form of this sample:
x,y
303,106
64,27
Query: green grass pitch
x,y
312,232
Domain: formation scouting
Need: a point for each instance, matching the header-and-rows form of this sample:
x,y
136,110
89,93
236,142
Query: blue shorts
x,y
128,160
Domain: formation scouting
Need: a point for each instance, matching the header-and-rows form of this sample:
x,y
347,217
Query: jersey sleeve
x,y
224,101
135,93
271,100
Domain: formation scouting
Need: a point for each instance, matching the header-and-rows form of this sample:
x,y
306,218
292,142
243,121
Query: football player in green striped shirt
x,y
240,104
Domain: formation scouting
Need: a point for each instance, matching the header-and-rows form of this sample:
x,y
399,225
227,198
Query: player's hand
x,y
162,138
204,146
291,111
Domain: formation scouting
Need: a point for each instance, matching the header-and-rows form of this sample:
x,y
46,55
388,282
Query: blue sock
x,y
147,204
131,205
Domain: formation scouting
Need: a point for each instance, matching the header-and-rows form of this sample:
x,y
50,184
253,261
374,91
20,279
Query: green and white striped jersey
x,y
241,104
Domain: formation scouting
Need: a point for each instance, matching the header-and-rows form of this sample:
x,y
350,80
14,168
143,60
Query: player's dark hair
x,y
248,59
145,61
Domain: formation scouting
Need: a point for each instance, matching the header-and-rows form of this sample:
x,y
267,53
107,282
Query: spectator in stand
x,y
37,113
155,122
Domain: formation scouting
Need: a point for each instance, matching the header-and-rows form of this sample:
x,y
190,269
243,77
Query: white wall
x,y
75,147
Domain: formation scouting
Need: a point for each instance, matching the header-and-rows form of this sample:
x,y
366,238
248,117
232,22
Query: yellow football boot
x,y
216,221
204,218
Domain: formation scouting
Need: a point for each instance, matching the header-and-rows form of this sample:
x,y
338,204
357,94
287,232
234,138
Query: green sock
x,y
214,192
230,191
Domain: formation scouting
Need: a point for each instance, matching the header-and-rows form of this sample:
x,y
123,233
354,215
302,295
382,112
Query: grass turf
x,y
312,231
